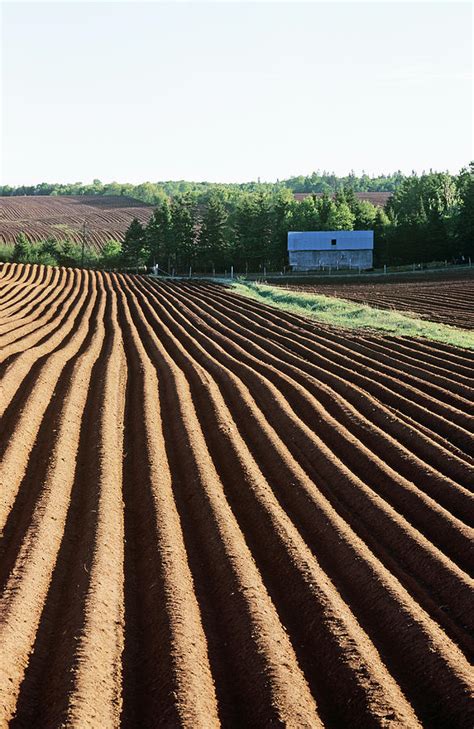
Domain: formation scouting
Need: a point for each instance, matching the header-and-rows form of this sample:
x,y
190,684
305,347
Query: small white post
x,y
385,268
190,271
232,272
264,272
445,263
470,263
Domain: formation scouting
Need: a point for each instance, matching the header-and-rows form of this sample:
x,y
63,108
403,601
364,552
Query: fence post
x,y
470,262
413,266
264,272
190,271
232,272
385,268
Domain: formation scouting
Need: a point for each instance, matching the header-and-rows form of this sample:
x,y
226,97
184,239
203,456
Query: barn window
x,y
333,241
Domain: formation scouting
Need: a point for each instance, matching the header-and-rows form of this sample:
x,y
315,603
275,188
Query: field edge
x,y
346,314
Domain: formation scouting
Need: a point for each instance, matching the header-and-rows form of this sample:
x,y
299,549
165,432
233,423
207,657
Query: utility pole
x,y
83,243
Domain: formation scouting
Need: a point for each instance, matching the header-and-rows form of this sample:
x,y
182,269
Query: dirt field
x,y
60,217
447,301
217,514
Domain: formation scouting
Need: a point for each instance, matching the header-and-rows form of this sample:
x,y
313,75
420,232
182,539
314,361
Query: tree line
x,y
428,217
153,192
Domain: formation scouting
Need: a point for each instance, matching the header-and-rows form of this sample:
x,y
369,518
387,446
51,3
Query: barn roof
x,y
321,240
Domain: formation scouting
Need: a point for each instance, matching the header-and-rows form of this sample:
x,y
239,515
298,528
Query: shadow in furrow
x,y
148,677
32,483
22,394
148,698
49,677
236,667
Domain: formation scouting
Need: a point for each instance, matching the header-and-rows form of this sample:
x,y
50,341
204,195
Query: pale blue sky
x,y
232,91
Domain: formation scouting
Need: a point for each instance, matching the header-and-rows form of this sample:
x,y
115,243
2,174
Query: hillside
x,y
39,217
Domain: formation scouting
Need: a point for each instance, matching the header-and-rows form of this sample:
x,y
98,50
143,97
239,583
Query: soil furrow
x,y
215,513
23,599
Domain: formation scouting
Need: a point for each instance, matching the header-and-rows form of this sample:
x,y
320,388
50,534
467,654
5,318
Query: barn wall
x,y
307,260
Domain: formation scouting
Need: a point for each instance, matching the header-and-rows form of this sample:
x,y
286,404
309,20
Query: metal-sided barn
x,y
335,248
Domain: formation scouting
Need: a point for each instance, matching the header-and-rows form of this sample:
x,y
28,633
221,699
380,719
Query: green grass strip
x,y
344,313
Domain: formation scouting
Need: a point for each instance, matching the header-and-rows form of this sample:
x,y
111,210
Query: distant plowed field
x,y
39,217
449,302
218,514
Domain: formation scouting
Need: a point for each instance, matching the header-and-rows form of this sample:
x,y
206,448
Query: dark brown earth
x,y
54,216
448,301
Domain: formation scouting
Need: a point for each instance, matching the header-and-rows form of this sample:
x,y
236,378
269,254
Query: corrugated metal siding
x,y
313,260
321,240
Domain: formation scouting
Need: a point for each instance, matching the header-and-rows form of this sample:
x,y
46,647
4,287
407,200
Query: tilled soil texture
x,y
63,216
446,301
217,514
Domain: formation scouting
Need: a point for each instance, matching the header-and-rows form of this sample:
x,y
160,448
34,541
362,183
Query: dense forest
x,y
211,227
153,192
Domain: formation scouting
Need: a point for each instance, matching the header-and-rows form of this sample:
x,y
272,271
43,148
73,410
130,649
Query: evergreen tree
x,y
283,206
183,230
262,234
253,230
306,214
325,207
350,197
341,217
243,229
159,235
23,248
134,249
465,219
364,215
111,255
213,248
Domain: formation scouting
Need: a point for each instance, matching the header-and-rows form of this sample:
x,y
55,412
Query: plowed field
x,y
63,216
449,302
217,514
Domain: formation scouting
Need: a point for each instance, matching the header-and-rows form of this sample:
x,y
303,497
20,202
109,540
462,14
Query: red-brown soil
x,y
447,301
39,217
217,514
